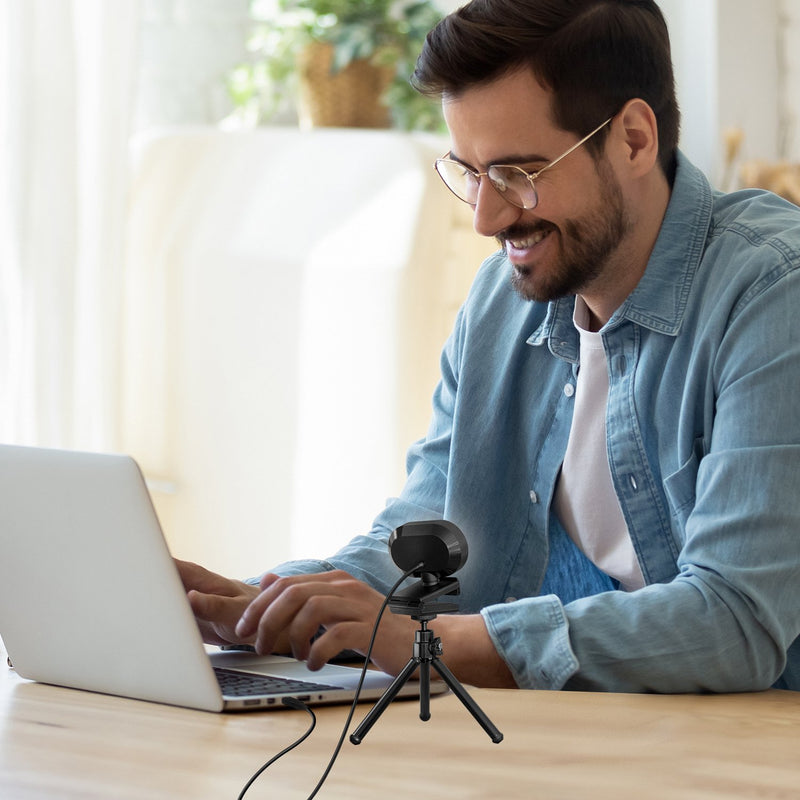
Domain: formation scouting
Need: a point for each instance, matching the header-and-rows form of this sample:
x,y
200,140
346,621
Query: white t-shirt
x,y
585,500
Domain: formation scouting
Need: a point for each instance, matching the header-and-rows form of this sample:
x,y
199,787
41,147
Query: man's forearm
x,y
469,652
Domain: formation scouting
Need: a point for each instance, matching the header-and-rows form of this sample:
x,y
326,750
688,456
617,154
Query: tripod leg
x,y
425,690
362,730
473,708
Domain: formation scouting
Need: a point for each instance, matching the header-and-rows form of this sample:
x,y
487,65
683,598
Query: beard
x,y
587,245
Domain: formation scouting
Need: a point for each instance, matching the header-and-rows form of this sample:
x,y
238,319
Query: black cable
x,y
299,705
349,719
292,703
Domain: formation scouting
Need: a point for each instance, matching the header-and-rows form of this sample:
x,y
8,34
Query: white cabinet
x,y
288,294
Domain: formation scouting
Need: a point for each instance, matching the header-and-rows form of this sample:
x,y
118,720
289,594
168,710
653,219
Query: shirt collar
x,y
659,300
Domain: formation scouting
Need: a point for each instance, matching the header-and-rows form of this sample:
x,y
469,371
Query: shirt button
x,y
569,390
511,599
534,497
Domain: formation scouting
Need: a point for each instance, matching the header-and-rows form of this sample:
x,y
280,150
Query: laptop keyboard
x,y
244,684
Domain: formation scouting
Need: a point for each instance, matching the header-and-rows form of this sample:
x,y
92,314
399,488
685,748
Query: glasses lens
x,y
514,185
459,180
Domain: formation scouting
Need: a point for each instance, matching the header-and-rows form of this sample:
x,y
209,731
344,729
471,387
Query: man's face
x,y
568,243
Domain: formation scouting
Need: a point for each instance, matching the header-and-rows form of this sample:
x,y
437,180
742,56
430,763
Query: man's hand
x,y
346,608
217,602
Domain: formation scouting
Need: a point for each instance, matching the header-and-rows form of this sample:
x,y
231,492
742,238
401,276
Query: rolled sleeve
x,y
532,637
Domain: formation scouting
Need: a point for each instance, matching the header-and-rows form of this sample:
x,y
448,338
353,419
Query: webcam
x,y
432,551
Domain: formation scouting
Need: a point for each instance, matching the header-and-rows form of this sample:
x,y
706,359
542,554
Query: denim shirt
x,y
703,434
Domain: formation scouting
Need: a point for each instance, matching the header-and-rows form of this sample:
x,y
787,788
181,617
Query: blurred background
x,y
214,260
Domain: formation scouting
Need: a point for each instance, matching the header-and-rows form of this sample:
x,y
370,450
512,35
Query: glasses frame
x,y
531,176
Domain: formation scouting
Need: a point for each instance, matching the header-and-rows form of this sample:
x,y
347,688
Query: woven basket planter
x,y
351,98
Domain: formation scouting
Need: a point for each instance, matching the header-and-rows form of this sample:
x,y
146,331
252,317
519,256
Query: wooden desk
x,y
60,743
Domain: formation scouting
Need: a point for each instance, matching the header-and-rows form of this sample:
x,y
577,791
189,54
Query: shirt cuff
x,y
532,637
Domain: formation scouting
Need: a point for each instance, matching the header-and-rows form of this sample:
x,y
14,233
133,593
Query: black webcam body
x,y
438,545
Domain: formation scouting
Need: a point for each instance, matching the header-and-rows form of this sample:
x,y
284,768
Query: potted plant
x,y
340,62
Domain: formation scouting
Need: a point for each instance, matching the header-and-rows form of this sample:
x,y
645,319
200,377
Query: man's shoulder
x,y
757,218
752,250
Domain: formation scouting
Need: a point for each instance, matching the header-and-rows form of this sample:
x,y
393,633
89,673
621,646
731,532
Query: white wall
x,y
694,53
186,49
789,24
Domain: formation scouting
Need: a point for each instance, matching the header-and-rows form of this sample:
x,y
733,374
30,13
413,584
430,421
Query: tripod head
x,y
418,601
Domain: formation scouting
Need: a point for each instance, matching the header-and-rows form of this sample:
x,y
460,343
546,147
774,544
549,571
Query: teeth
x,y
522,244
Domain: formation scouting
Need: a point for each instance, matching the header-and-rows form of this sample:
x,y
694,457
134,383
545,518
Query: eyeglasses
x,y
511,182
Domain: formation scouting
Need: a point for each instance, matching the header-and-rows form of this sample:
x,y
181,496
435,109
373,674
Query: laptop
x,y
90,597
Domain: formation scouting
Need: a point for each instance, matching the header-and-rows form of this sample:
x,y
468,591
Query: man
x,y
617,426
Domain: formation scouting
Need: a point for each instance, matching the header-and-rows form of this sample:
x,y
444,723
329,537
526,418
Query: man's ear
x,y
637,137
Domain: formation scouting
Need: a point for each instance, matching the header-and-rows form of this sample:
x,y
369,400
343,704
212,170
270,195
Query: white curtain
x,y
67,70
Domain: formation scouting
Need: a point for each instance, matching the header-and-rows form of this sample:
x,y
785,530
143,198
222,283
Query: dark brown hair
x,y
594,55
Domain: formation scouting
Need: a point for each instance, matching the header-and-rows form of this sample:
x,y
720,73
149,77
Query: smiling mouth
x,y
528,241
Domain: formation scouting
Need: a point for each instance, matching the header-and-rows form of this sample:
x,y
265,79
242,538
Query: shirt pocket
x,y
680,488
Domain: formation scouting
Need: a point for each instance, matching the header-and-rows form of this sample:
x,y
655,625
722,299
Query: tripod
x,y
415,602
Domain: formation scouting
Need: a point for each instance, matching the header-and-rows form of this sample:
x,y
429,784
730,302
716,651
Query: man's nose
x,y
492,213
